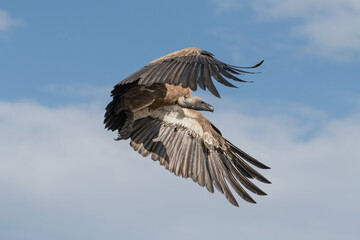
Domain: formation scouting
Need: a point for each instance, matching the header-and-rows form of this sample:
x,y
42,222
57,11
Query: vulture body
x,y
154,107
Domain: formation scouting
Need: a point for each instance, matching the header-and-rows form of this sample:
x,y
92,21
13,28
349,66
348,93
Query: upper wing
x,y
189,67
184,148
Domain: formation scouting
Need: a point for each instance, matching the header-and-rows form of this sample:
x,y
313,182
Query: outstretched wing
x,y
189,67
182,145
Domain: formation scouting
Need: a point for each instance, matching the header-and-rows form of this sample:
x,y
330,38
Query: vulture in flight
x,y
154,108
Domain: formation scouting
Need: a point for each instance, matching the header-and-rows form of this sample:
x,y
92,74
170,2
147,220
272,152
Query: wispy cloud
x,y
59,167
326,27
6,22
330,26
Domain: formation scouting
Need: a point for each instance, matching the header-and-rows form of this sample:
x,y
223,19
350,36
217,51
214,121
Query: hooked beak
x,y
209,108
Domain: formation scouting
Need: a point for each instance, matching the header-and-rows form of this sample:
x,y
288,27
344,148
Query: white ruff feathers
x,y
178,116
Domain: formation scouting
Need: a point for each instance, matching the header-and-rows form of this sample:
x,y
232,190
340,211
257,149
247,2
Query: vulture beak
x,y
202,105
206,107
209,108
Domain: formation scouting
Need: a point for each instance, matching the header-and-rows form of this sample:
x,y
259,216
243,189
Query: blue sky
x,y
63,177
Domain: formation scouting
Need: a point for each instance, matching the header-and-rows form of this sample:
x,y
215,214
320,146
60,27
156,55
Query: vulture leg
x,y
125,131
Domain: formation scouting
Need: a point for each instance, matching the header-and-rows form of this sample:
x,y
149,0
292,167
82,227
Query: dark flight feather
x,y
189,67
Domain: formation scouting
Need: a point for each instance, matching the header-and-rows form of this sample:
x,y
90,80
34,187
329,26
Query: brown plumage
x,y
154,107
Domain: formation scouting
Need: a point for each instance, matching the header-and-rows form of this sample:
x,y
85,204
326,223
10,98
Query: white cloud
x,y
330,26
63,176
6,21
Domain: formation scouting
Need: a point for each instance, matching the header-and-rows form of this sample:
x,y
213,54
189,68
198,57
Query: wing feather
x,y
237,187
179,156
189,67
222,175
174,149
244,181
187,155
214,71
194,161
247,157
191,76
218,163
208,83
143,77
157,72
168,71
147,78
189,158
200,77
184,77
214,171
174,79
201,159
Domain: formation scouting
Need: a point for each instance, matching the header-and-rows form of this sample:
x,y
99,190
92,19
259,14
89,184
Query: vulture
x,y
155,109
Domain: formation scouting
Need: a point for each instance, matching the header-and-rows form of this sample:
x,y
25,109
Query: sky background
x,y
63,177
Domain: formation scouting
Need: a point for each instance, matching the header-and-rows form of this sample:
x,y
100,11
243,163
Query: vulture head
x,y
195,103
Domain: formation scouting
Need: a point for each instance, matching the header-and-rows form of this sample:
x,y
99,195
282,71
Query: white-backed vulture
x,y
154,107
